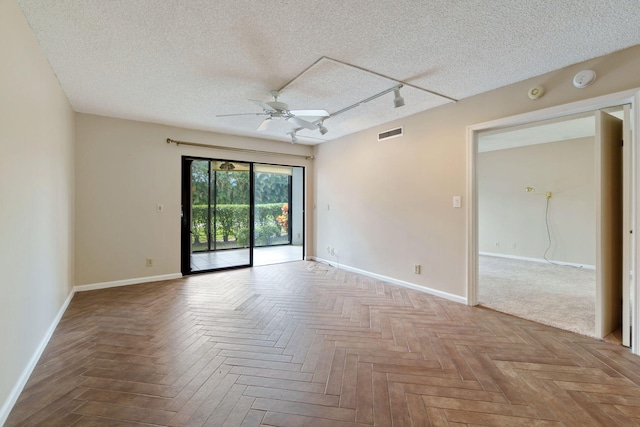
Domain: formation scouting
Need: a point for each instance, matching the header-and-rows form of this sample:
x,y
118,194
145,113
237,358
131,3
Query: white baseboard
x,y
127,282
540,260
7,406
441,294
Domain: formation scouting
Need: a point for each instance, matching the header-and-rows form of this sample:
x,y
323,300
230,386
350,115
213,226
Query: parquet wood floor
x,y
303,344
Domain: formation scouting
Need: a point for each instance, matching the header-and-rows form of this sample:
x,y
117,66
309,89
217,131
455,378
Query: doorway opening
x,y
536,222
543,213
240,214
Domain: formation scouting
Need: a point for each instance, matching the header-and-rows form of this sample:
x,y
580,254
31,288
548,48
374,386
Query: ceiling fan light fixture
x,y
398,100
227,166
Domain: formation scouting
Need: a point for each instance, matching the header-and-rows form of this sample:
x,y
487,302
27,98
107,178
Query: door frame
x,y
610,250
619,98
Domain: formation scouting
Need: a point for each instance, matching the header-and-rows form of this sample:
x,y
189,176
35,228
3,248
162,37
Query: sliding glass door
x,y
237,214
216,215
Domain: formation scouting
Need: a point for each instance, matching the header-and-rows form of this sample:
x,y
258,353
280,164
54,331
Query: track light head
x,y
322,129
294,139
398,100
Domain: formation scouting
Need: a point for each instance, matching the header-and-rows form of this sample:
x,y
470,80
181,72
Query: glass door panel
x,y
218,215
200,203
231,214
275,214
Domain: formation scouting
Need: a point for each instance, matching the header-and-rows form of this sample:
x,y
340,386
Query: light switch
x,y
457,201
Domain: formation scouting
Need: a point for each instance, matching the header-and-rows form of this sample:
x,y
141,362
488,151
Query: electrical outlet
x,y
333,251
497,244
159,208
149,262
514,246
328,249
416,268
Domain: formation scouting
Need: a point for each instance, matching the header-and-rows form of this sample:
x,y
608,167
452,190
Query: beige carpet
x,y
554,295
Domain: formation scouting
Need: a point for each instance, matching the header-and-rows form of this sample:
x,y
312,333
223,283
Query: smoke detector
x,y
584,78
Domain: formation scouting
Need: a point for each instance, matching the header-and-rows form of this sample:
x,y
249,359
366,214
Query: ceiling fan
x,y
280,110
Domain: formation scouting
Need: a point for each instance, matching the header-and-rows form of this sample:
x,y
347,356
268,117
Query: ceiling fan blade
x,y
303,123
265,106
310,113
265,124
278,106
240,114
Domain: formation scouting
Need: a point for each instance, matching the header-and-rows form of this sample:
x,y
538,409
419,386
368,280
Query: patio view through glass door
x,y
239,214
278,214
219,215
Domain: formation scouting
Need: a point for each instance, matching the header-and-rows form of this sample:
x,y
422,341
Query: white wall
x,y
36,199
391,202
123,170
509,216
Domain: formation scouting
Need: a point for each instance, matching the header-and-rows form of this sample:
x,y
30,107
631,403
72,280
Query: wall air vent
x,y
392,133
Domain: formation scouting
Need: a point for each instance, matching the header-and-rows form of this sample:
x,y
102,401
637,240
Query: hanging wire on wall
x,y
546,221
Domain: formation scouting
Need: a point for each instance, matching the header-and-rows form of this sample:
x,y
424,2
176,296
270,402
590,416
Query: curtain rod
x,y
241,150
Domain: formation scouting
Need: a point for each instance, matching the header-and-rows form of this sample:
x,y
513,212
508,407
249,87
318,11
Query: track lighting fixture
x,y
398,101
279,110
322,129
294,139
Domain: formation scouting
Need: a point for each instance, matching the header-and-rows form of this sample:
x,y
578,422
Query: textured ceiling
x,y
181,62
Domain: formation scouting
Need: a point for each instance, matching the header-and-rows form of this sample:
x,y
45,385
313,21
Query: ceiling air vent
x,y
393,133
